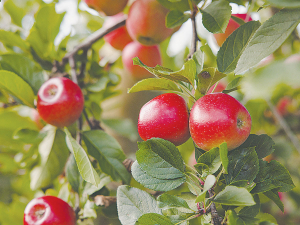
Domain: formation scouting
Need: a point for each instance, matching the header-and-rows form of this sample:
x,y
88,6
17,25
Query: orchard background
x,y
259,65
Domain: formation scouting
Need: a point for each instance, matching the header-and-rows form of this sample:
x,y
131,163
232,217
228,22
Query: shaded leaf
x,y
207,78
154,84
209,183
29,136
224,156
285,3
171,201
273,195
175,18
72,174
233,85
211,159
9,38
153,219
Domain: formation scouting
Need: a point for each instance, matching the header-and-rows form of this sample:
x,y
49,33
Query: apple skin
x,y
146,22
220,87
107,7
49,210
118,38
216,118
60,101
149,55
232,26
165,116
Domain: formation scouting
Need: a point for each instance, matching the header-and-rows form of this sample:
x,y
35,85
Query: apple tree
x,y
149,112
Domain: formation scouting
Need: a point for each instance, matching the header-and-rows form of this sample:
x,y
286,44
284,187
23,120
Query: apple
x,y
232,26
48,210
220,87
107,7
149,55
60,101
146,22
283,105
165,116
35,116
118,38
216,118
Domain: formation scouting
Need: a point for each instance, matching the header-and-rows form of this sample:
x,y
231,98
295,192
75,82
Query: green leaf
x,y
285,3
198,57
224,156
233,195
16,13
24,68
234,219
154,84
175,18
207,78
154,183
153,219
109,154
84,165
54,154
209,183
251,211
132,203
182,5
243,165
90,189
171,201
233,85
211,159
29,136
265,217
11,39
268,37
216,16
264,145
186,74
16,86
124,127
72,173
232,49
160,158
273,195
272,175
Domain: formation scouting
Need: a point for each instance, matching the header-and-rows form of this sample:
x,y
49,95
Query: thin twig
x,y
293,138
73,69
216,219
195,38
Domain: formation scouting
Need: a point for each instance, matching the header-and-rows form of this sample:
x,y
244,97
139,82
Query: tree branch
x,y
195,38
216,219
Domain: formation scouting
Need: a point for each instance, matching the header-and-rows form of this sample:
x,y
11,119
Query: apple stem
x,y
40,213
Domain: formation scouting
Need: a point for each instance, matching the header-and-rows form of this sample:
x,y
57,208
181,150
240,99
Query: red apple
x,y
232,26
60,101
149,55
165,116
48,210
118,38
220,87
146,22
283,104
108,7
217,118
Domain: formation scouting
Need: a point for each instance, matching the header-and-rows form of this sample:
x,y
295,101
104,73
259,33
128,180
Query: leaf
x,y
211,159
207,78
251,211
264,145
72,174
230,52
234,219
54,154
233,195
160,158
216,16
198,57
154,183
84,165
175,18
224,156
273,195
243,165
9,38
16,13
272,175
186,74
171,201
109,154
132,203
285,3
233,85
153,219
209,183
265,217
124,127
24,68
268,37
154,84
16,86
29,136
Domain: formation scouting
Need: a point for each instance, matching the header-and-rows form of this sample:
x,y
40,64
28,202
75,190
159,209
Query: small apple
x,y
60,101
283,104
165,116
232,26
220,87
118,38
108,7
146,22
149,55
217,118
48,210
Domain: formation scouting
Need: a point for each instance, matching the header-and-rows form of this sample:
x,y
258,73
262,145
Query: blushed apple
x,y
108,7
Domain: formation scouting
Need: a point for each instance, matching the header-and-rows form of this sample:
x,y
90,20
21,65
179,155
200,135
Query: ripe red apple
x,y
149,55
49,210
217,118
232,26
118,38
146,22
108,7
165,116
220,87
60,101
